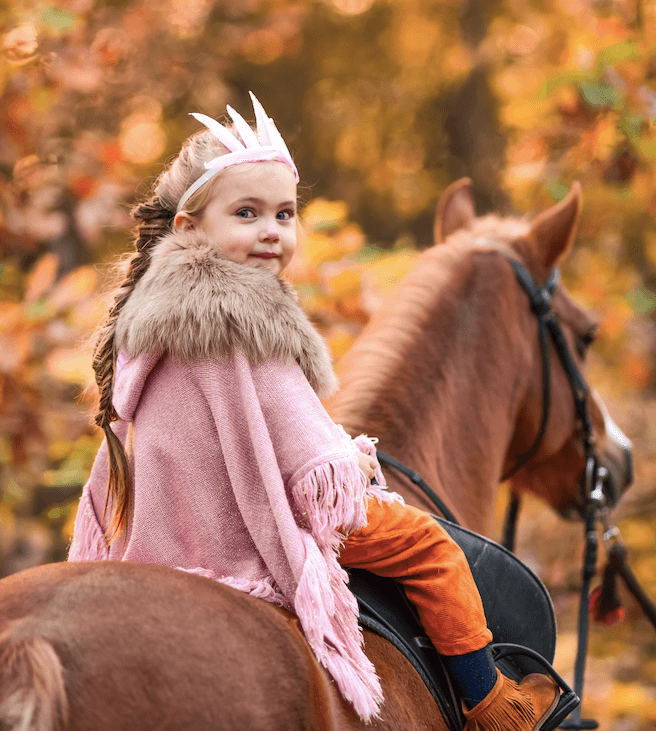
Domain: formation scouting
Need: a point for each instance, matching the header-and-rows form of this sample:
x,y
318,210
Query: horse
x,y
449,374
449,379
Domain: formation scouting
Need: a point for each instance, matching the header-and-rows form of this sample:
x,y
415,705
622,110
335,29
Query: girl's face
x,y
252,215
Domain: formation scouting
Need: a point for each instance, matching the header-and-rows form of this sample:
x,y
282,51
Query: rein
x,y
417,479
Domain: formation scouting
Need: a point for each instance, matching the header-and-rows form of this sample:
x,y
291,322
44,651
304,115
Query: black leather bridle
x,y
592,498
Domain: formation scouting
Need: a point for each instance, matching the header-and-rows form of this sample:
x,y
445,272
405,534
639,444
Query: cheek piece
x,y
262,145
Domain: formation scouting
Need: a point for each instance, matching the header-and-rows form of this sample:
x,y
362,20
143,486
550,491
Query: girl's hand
x,y
367,464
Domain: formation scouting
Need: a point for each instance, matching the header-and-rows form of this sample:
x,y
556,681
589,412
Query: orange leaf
x,y
75,286
41,277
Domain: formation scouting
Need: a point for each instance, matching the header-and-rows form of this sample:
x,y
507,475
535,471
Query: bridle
x,y
592,500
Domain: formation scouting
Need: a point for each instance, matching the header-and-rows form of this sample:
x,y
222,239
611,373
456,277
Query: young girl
x,y
221,459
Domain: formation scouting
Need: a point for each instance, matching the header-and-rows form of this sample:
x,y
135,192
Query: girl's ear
x,y
183,221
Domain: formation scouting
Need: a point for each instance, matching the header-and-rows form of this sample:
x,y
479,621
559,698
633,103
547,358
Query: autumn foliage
x,y
384,103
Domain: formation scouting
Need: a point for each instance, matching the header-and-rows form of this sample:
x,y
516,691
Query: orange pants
x,y
407,544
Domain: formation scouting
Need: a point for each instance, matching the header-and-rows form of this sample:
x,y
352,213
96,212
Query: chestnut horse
x,y
448,375
449,378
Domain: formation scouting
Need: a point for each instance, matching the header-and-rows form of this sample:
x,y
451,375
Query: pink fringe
x,y
264,589
331,497
327,612
332,500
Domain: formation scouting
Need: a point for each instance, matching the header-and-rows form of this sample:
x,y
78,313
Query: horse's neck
x,y
437,377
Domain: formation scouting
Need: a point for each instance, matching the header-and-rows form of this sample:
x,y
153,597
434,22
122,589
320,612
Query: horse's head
x,y
560,422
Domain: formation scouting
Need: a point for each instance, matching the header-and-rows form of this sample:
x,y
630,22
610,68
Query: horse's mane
x,y
423,318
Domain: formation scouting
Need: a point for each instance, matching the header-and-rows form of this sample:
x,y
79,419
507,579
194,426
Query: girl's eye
x,y
285,215
245,213
583,342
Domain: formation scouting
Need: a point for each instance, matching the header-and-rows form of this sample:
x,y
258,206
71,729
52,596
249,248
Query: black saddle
x,y
517,606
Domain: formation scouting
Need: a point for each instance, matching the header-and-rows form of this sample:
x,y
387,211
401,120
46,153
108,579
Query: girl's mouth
x,y
266,255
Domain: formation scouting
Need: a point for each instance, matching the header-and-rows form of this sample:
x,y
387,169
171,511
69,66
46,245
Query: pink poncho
x,y
239,473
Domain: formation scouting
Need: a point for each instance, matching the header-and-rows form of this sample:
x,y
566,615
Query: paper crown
x,y
262,145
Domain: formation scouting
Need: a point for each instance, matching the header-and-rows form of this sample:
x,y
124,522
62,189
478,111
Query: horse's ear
x,y
554,230
455,209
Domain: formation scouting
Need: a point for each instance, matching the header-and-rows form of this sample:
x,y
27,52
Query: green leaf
x,y
648,148
600,94
58,18
642,301
557,190
631,123
618,52
569,77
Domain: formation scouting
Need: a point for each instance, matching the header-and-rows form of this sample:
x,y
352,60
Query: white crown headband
x,y
261,146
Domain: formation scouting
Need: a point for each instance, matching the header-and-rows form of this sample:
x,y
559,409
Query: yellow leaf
x,y
75,286
321,214
627,697
639,534
339,342
386,273
320,247
71,366
344,283
41,277
650,247
350,239
69,525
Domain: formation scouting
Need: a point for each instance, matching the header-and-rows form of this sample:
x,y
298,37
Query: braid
x,y
155,218
154,221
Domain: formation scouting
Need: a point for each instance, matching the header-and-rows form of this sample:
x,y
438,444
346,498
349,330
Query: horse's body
x,y
449,380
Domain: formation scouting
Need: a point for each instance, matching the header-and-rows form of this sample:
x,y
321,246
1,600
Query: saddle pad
x,y
517,607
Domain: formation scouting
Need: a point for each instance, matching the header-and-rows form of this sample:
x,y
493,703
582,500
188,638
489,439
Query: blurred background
x,y
383,104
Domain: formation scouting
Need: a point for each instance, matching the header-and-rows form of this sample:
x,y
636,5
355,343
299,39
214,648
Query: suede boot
x,y
512,707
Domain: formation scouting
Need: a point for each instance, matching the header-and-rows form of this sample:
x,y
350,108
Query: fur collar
x,y
195,303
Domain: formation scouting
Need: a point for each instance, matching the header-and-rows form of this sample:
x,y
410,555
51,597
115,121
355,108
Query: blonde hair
x,y
154,219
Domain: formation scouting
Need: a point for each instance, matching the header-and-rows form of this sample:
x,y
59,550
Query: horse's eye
x,y
583,342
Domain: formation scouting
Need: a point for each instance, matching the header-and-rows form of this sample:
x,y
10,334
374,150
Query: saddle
x,y
517,606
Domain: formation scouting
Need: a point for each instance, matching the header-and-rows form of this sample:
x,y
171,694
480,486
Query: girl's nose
x,y
269,232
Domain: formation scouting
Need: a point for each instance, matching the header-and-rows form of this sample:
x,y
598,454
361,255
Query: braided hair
x,y
154,219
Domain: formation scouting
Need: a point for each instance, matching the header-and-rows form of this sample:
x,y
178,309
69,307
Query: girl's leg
x,y
407,544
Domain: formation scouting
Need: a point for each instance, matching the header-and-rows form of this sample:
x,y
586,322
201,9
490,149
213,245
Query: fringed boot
x,y
512,707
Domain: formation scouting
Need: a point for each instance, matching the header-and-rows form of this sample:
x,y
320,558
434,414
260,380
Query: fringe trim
x,y
327,612
507,709
332,500
264,589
